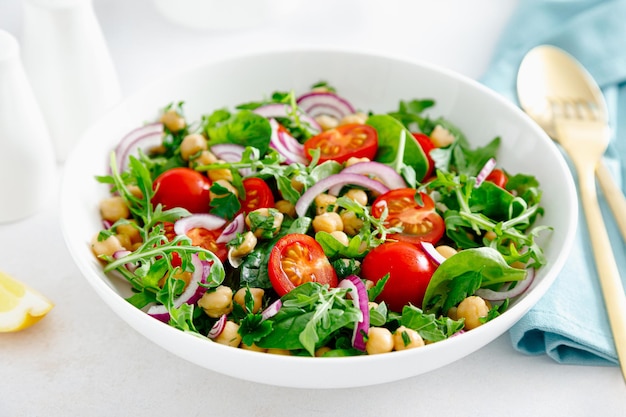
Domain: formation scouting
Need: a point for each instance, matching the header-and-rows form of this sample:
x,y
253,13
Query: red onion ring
x,y
282,110
484,172
228,152
231,230
144,138
358,293
271,310
340,179
203,220
192,293
279,140
120,254
384,173
519,289
431,251
316,103
218,327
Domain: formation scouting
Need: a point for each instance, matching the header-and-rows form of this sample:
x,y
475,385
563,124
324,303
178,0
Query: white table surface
x,y
83,360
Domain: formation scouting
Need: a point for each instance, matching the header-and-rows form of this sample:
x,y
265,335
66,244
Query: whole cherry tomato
x,y
182,187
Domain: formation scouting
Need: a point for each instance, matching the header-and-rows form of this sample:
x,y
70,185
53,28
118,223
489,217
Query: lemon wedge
x,y
20,306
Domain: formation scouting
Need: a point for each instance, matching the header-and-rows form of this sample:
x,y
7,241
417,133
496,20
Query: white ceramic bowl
x,y
371,82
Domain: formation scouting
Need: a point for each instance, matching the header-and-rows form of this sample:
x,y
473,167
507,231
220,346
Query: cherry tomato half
x,y
183,187
421,223
427,146
258,195
410,270
498,177
297,259
343,142
201,237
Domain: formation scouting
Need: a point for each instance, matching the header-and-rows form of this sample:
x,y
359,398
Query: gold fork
x,y
555,91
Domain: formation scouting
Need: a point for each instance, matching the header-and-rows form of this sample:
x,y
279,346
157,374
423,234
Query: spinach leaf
x,y
429,326
463,273
310,314
243,128
389,131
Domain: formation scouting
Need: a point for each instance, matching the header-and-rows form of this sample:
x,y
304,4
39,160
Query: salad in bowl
x,y
300,227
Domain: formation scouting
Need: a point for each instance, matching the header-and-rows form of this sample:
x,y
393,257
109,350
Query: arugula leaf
x,y
389,131
429,326
409,113
463,273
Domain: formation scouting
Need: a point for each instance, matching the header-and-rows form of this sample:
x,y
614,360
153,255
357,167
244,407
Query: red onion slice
x,y
231,230
271,310
284,110
120,254
485,171
317,103
144,138
358,293
431,251
203,220
340,179
192,293
218,327
279,141
228,152
384,173
519,289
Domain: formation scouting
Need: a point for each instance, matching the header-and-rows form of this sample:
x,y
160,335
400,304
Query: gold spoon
x,y
560,95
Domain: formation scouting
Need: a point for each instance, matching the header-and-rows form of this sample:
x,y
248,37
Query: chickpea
x,y
358,118
218,302
114,208
245,247
327,122
124,240
369,284
108,246
253,347
191,145
518,265
297,185
351,223
405,338
445,251
135,191
358,196
206,158
276,351
341,237
259,222
441,137
173,121
230,335
327,222
257,297
372,305
490,235
472,309
229,187
452,313
217,174
354,160
286,207
130,230
379,340
325,203
321,351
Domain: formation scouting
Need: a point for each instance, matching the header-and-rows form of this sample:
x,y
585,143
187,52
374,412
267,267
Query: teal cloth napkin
x,y
569,323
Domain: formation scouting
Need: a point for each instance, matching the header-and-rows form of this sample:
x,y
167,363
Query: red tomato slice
x,y
410,270
498,177
420,223
258,195
343,142
427,146
297,259
201,237
206,239
183,187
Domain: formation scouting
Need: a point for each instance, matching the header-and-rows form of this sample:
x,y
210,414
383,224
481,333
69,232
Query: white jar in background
x,y
69,66
28,172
